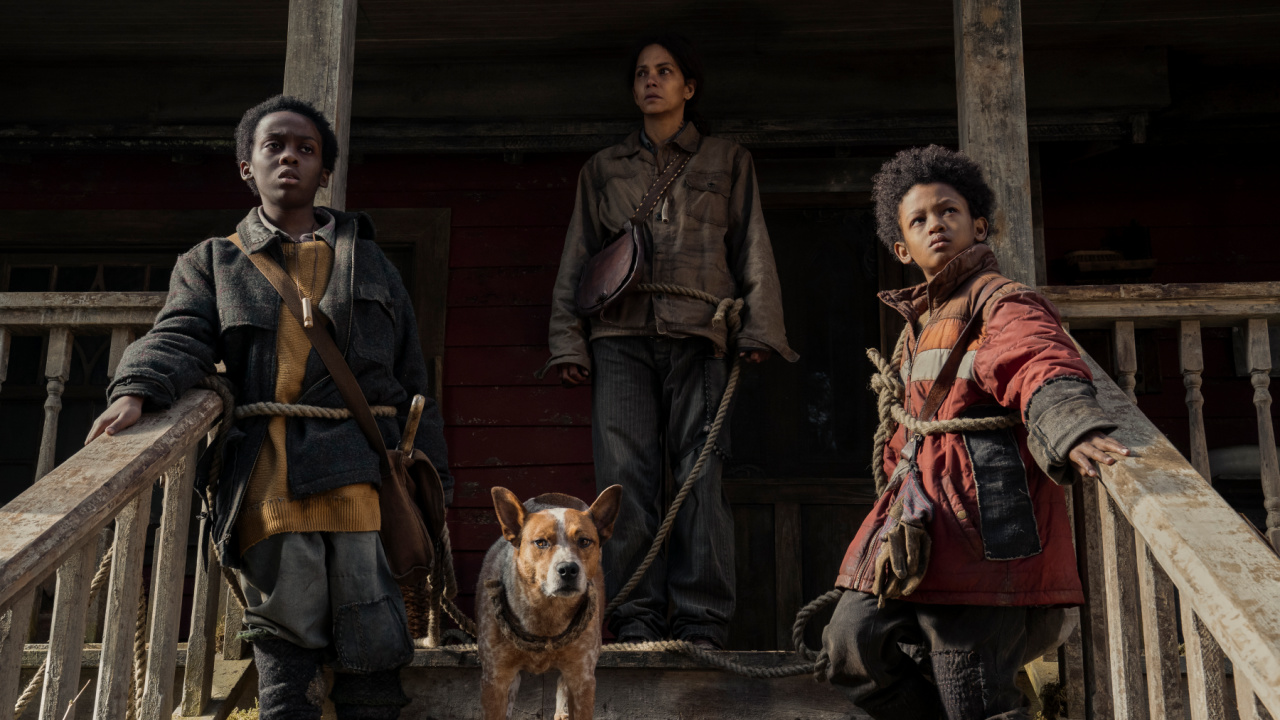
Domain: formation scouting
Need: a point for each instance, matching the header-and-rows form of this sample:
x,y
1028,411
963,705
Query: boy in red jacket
x,y
970,539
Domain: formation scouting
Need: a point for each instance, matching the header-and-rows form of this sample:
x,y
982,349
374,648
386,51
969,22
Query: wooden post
x,y
4,354
992,100
1126,359
317,68
1191,358
116,660
13,637
1259,343
57,367
197,676
66,638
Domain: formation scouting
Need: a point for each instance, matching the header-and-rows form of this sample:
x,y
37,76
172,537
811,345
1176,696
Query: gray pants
x,y
645,388
914,660
328,591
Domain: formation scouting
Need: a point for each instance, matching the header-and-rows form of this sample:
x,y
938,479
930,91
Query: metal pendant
x,y
307,320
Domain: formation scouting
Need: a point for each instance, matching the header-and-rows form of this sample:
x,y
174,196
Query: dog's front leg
x,y
576,693
498,692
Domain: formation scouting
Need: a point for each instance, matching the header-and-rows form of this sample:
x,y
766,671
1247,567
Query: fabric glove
x,y
905,544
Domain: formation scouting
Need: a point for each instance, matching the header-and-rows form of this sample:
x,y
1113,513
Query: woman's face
x,y
659,87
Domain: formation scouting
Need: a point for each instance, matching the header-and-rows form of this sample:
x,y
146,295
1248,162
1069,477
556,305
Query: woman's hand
x,y
573,375
755,356
121,414
1094,447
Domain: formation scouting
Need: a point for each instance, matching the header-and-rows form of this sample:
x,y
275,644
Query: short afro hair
x,y
922,166
248,127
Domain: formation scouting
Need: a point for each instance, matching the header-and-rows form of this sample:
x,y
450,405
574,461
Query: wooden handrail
x,y
54,517
1221,568
1213,304
27,310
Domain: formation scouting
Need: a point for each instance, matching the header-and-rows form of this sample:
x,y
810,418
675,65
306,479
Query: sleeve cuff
x,y
1059,413
575,359
155,395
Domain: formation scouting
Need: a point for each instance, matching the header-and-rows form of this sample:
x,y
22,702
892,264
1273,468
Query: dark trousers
x,y
913,660
645,388
317,596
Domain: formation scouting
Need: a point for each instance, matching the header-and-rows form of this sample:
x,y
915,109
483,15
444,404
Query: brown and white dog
x,y
540,599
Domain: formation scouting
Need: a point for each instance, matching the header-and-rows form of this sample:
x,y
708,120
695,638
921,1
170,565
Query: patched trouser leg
x,y
976,652
290,685
864,645
375,696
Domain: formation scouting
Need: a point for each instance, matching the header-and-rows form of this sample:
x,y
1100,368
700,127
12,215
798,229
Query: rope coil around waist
x,y
276,409
891,395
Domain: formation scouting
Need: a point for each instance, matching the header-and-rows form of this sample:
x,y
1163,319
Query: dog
x,y
540,599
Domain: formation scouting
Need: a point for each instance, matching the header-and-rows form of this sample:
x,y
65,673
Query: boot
x,y
290,686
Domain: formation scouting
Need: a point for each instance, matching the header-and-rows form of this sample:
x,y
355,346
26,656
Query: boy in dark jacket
x,y
970,541
296,509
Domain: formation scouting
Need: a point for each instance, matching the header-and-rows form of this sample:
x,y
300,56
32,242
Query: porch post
x,y
317,68
992,100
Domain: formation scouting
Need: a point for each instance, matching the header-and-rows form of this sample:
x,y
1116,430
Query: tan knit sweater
x,y
268,507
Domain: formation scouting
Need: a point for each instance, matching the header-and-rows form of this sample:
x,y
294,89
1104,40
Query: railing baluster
x,y
157,697
116,661
233,648
14,625
66,639
120,339
1093,616
1123,637
1160,636
197,676
93,619
1126,359
1247,703
1206,675
1191,361
1260,375
57,367
5,337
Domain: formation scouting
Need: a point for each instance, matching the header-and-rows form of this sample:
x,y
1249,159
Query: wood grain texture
x,y
49,519
233,648
1221,568
166,599
1124,637
121,337
1191,362
13,636
788,556
66,638
992,100
1206,682
1160,637
1126,358
197,677
79,311
1259,356
111,693
1168,305
1093,615
57,368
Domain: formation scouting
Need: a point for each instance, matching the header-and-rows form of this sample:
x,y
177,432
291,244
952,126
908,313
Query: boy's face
x,y
936,223
285,164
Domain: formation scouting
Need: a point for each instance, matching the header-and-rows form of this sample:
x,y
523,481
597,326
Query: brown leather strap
x,y
660,185
325,347
947,376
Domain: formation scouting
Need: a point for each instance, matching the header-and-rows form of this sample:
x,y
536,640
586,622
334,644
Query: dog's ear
x,y
510,513
604,511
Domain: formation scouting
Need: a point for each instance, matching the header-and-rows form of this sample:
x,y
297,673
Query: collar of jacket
x,y
912,302
689,139
336,303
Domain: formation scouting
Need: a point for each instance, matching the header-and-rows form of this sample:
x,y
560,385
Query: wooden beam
x,y
992,99
317,68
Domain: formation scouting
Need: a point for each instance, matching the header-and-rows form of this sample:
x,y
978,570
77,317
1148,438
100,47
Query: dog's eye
x,y
541,544
584,542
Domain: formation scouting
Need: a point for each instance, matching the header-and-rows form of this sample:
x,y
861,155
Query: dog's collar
x,y
527,641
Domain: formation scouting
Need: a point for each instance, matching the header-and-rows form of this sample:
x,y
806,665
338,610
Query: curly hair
x,y
248,127
921,166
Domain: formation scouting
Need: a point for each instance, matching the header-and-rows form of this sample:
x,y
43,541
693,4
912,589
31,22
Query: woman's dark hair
x,y
248,127
922,166
689,62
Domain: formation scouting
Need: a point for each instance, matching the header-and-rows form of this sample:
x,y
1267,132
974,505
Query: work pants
x,y
645,388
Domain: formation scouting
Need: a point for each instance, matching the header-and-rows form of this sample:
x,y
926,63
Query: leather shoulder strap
x,y
947,376
325,347
660,185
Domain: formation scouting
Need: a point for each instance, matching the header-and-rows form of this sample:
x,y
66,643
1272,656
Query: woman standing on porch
x,y
659,365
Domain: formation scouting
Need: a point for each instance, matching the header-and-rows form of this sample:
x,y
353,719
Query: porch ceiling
x,y
1233,30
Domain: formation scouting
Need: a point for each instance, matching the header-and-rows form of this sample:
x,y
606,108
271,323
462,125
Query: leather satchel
x,y
411,498
613,271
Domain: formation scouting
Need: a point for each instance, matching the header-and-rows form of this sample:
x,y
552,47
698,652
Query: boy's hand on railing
x,y
121,414
1094,448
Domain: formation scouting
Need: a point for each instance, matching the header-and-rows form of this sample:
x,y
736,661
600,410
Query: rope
x,y
307,411
891,391
32,689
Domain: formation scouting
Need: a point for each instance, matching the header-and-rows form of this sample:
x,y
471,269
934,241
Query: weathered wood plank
x,y
1191,362
1093,615
1259,344
1160,637
788,553
1128,693
5,343
233,648
1126,358
1218,564
122,603
66,638
13,635
431,284
1247,704
992,100
28,311
57,368
120,339
230,682
1151,305
49,519
157,694
197,679
317,68
1206,681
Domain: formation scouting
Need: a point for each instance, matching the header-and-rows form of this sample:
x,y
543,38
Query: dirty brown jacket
x,y
706,233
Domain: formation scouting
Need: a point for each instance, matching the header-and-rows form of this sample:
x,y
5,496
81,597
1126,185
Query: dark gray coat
x,y
221,309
